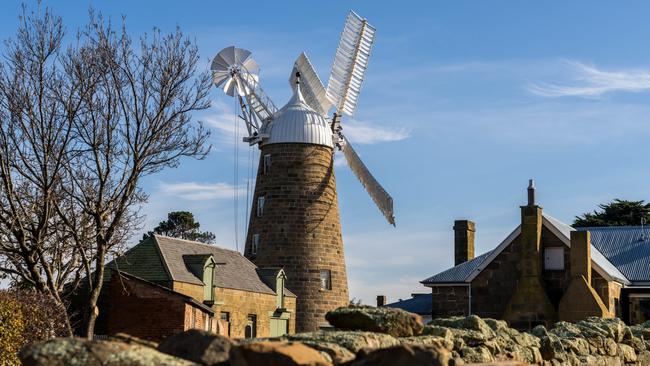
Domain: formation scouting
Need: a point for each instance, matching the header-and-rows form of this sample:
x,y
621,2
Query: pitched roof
x,y
608,265
418,304
626,247
233,271
458,273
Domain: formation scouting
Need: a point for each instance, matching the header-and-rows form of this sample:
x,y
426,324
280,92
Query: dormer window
x,y
255,243
260,206
266,164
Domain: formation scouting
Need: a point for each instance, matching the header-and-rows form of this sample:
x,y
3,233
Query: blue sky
x,y
463,102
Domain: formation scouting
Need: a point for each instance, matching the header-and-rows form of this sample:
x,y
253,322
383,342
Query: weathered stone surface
x,y
337,354
396,322
198,346
129,339
405,355
353,341
276,353
80,352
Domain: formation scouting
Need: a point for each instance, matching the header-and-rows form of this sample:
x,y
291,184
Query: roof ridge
x,y
195,242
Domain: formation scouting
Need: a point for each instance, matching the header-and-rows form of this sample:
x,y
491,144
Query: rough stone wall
x,y
189,289
556,281
494,286
144,311
609,292
450,301
299,229
240,304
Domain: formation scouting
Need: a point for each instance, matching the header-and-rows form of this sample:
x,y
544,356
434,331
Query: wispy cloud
x,y
225,122
194,191
591,82
365,133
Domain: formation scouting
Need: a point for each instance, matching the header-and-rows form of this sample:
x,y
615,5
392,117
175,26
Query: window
x,y
207,323
251,326
325,279
255,244
266,164
193,318
224,317
260,205
554,258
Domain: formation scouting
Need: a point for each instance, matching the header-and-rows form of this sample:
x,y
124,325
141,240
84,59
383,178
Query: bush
x,y
27,316
12,329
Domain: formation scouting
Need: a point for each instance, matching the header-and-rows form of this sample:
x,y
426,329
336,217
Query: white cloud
x,y
367,133
227,125
593,82
193,191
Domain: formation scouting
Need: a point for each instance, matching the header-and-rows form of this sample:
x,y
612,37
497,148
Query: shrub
x,y
12,329
27,316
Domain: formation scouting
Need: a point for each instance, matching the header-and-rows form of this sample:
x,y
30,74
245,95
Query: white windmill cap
x,y
296,122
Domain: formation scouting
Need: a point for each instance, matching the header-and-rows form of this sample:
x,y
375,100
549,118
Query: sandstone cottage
x,y
546,271
166,285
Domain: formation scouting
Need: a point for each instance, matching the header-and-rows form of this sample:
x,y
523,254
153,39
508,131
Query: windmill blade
x,y
378,194
310,85
350,63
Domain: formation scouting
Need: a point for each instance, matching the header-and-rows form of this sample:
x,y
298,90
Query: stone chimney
x,y
581,300
381,300
530,305
463,241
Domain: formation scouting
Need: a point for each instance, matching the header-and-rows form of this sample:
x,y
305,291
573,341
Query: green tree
x,y
181,224
616,213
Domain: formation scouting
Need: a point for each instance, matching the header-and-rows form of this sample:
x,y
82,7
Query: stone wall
x,y
450,301
299,228
240,304
556,281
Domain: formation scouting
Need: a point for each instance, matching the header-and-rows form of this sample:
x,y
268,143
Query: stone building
x,y
172,285
294,222
545,271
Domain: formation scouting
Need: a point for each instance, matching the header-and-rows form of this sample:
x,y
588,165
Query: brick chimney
x,y
581,300
530,305
463,241
381,300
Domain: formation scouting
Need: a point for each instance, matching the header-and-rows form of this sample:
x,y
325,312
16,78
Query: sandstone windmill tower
x,y
294,222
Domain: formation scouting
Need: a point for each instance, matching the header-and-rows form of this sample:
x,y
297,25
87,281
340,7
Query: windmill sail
x,y
378,194
311,86
350,63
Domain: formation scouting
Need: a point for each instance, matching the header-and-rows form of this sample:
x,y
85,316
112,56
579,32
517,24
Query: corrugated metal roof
x,y
418,304
626,247
600,261
296,122
459,273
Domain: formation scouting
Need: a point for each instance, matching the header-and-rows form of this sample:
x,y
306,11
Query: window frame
x,y
255,243
554,262
325,282
266,164
261,200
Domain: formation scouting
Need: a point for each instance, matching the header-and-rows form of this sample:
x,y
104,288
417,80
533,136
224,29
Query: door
x,y
278,327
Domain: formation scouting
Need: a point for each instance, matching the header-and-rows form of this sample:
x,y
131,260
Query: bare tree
x,y
80,128
38,105
136,121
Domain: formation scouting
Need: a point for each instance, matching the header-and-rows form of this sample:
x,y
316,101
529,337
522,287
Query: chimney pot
x,y
381,300
463,241
531,192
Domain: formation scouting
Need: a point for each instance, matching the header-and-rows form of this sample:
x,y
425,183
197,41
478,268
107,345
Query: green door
x,y
278,327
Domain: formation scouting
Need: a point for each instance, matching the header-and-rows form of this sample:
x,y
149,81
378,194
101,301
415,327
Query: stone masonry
x,y
299,227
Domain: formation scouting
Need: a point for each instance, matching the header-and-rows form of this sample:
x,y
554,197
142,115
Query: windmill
x,y
295,222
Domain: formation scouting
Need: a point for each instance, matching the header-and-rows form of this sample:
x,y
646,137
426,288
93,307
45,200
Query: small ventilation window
x,y
255,244
325,279
260,205
554,258
266,164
